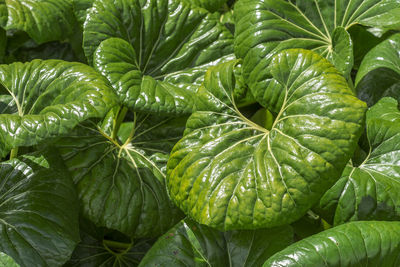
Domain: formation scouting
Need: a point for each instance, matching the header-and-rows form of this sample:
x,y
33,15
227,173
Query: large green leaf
x,y
229,173
210,5
121,183
38,211
370,191
155,53
43,20
44,99
99,247
265,27
367,244
379,73
192,244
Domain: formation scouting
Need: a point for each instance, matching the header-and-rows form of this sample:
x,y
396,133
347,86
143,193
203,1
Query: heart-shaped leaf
x,y
121,182
44,99
160,52
370,191
38,211
230,173
366,244
43,20
192,244
379,73
265,27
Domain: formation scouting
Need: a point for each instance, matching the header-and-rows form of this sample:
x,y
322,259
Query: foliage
x,y
199,133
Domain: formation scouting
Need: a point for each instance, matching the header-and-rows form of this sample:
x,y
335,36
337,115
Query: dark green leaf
x,y
379,73
51,97
43,20
370,191
121,183
230,173
161,51
363,244
192,244
266,27
38,211
210,5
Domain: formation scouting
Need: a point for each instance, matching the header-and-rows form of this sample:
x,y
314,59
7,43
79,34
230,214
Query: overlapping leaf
x,y
121,183
210,5
43,20
229,173
44,99
265,27
370,191
154,53
379,73
192,244
366,244
38,211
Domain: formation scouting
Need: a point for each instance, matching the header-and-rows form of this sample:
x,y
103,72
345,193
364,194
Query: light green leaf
x,y
366,244
121,183
192,244
370,191
230,173
263,28
342,51
379,73
38,211
155,53
7,261
51,97
43,20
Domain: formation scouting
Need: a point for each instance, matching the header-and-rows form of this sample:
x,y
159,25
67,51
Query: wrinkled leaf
x,y
121,183
366,244
370,191
38,211
155,53
192,244
263,28
230,173
48,99
43,20
379,73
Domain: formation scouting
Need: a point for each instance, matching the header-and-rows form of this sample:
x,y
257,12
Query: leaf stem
x,y
14,153
120,118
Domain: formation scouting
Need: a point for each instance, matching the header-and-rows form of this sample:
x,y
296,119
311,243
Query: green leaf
x,y
81,7
121,183
230,173
369,191
43,20
264,28
210,5
51,97
155,54
379,73
192,244
38,211
98,247
7,261
366,244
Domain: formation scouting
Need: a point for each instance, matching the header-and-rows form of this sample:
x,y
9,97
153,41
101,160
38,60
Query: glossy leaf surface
x,y
370,191
43,20
154,53
191,244
265,27
366,244
121,184
229,173
38,211
379,73
44,99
